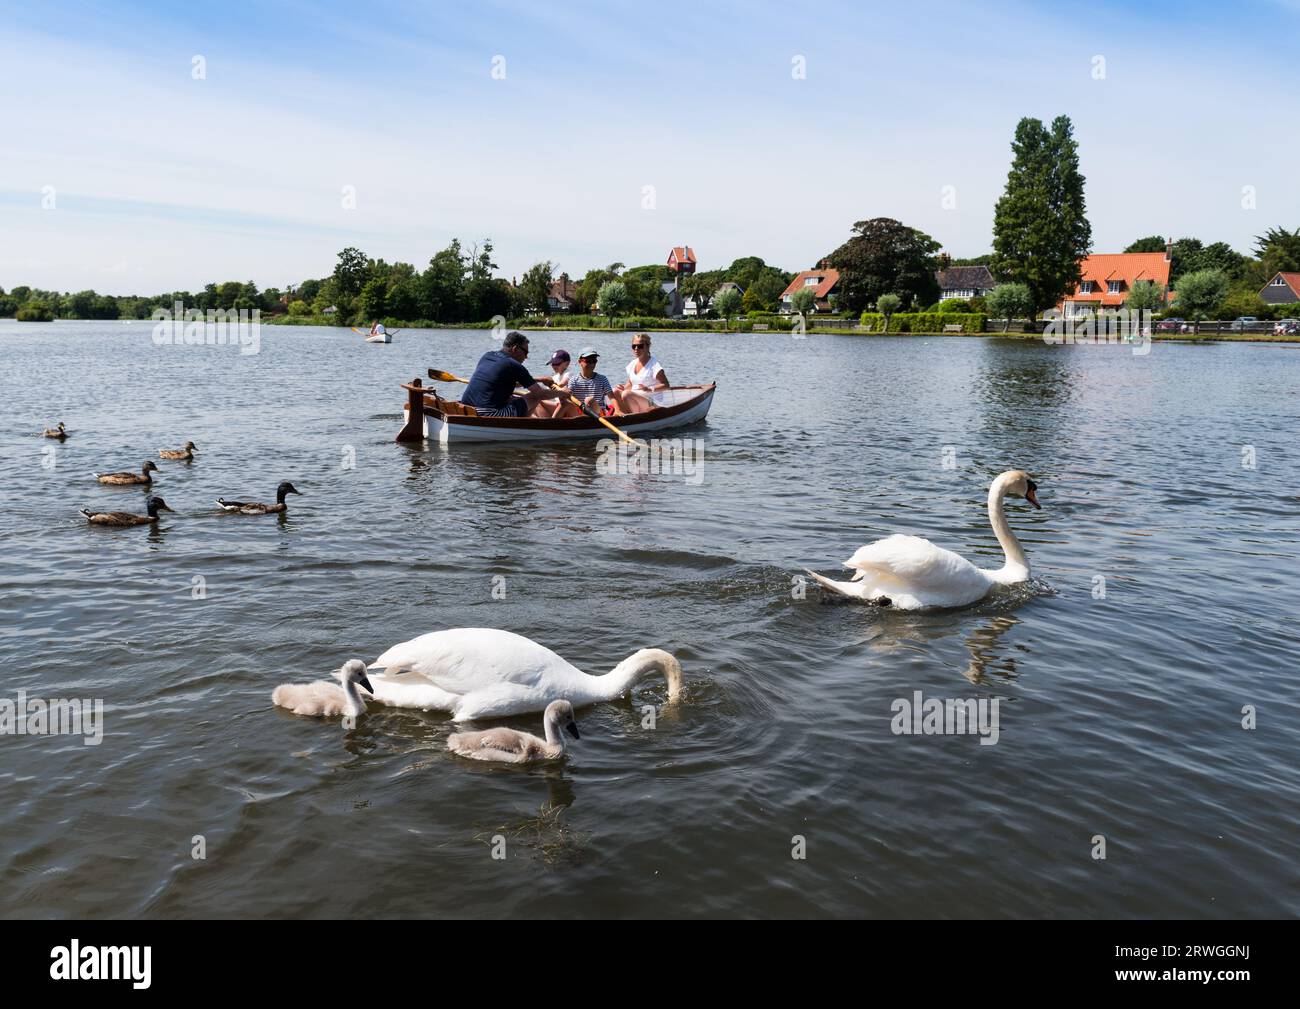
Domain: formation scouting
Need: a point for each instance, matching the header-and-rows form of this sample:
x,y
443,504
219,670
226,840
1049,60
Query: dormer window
x,y
1113,286
1086,287
811,281
1278,282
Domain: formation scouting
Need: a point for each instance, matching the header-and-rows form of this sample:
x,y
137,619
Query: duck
x,y
484,672
322,699
186,453
154,505
130,478
59,432
911,573
257,508
510,746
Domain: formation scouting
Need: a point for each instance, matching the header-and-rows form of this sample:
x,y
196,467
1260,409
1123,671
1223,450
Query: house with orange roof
x,y
1108,278
822,280
1283,289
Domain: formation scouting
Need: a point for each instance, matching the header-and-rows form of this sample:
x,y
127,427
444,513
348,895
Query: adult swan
x,y
911,573
481,672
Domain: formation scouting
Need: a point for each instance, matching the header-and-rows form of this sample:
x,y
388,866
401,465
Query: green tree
x,y
374,299
1278,251
536,285
442,285
887,305
885,256
1201,292
1145,296
1152,243
299,308
1040,227
350,272
804,301
1010,301
34,310
726,302
613,299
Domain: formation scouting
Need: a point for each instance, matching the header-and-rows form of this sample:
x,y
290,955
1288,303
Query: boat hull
x,y
447,428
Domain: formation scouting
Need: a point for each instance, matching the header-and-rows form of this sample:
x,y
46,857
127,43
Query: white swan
x,y
482,672
325,699
911,573
515,747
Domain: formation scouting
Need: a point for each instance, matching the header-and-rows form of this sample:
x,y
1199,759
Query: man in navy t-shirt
x,y
491,388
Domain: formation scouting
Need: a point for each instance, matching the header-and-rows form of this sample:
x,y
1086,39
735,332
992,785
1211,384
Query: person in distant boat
x,y
377,328
589,385
491,389
645,380
563,372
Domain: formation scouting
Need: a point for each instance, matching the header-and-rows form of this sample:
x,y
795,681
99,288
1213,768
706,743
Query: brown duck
x,y
185,453
59,432
154,506
256,507
129,478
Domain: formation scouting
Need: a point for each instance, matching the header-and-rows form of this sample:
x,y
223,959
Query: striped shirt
x,y
598,386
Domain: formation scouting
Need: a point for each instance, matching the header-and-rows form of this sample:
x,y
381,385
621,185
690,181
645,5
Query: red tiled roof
x,y
1292,281
828,279
1127,267
681,254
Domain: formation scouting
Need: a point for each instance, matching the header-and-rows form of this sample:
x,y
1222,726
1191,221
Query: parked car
x,y
1243,322
1287,327
1169,325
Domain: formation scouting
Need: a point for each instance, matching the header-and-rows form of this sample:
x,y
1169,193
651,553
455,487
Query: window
x,y
1114,286
1279,282
1086,287
811,281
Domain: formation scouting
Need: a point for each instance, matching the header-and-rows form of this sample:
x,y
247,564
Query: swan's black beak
x,y
1031,495
572,730
364,681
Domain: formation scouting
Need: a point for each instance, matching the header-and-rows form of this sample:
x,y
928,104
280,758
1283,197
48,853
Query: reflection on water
x,y
784,728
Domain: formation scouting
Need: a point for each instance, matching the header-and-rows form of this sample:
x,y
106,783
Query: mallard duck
x,y
514,747
154,506
178,453
56,432
256,507
128,478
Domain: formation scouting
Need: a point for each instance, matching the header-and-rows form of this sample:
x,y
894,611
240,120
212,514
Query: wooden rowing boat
x,y
426,415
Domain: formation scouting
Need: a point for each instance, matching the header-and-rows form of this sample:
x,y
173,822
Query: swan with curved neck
x,y
323,699
483,672
911,573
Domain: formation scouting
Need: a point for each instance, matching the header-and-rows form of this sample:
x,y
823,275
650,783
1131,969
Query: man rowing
x,y
491,389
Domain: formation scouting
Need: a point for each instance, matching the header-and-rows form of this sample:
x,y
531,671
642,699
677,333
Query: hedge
x,y
925,322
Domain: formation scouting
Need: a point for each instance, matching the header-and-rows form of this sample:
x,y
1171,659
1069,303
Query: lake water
x,y
1165,601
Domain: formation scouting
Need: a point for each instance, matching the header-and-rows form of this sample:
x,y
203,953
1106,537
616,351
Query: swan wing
x,y
464,660
912,566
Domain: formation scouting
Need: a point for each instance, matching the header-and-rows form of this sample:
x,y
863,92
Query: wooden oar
x,y
446,376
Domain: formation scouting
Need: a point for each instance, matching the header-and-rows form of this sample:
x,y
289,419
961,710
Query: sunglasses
x,y
640,346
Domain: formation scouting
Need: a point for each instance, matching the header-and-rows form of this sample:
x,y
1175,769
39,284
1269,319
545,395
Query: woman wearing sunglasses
x,y
645,380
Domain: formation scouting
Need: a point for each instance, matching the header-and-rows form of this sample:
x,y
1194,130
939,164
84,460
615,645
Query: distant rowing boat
x,y
427,415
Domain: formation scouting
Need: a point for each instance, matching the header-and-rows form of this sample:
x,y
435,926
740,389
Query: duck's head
x,y
61,428
354,671
1016,483
155,505
149,466
560,714
190,446
286,488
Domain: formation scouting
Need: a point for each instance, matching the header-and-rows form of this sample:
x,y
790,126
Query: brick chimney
x,y
1169,250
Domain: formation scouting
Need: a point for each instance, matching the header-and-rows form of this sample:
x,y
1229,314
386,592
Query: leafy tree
x,y
1152,243
613,299
374,299
1200,292
726,302
480,261
1040,229
34,310
699,288
885,256
1278,250
442,285
804,301
1243,302
887,305
1010,301
350,272
536,285
764,293
953,305
485,298
299,307
1145,296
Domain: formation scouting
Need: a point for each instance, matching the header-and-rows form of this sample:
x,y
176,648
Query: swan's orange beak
x,y
1031,495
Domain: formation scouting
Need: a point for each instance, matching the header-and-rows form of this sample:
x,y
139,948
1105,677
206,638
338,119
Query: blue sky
x,y
162,182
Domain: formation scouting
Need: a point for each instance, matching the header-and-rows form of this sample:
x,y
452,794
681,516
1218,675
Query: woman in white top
x,y
645,377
